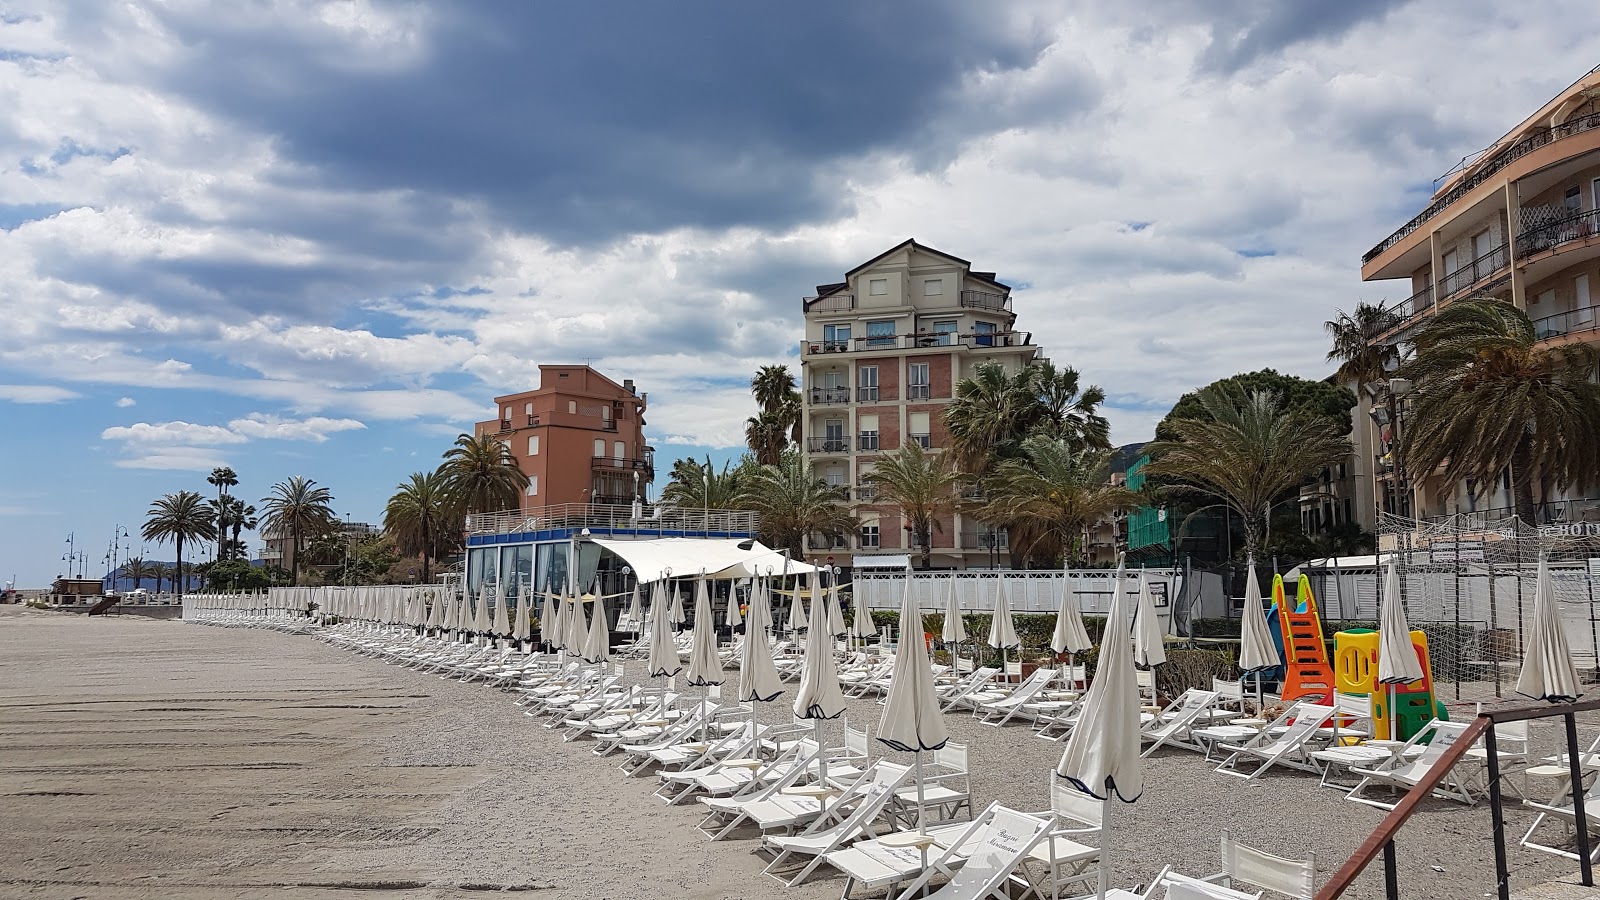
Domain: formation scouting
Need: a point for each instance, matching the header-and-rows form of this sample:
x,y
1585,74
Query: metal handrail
x,y
1550,235
1382,838
1585,318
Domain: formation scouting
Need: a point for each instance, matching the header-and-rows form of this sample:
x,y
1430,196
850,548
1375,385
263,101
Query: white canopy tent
x,y
720,558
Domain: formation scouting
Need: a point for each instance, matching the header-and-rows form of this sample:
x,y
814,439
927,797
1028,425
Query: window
x,y
880,334
1451,261
505,413
533,485
533,445
920,432
867,426
605,413
983,334
1545,297
835,337
1594,194
833,440
919,382
1572,200
944,330
572,407
933,287
619,451
867,384
1582,312
878,287
869,536
599,448
527,409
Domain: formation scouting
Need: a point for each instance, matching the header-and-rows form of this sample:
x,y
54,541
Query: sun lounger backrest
x,y
1227,691
1309,718
1069,802
1179,887
951,756
1196,699
1295,877
994,851
1443,734
855,742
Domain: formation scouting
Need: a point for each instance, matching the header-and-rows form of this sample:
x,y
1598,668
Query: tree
x,y
221,478
694,485
777,420
1488,398
297,507
1315,398
1247,451
993,412
179,518
1064,412
1362,355
481,476
793,503
767,436
1051,494
418,517
159,571
241,515
137,569
922,484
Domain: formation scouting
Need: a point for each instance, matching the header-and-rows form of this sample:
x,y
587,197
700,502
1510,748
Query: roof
x,y
659,558
912,244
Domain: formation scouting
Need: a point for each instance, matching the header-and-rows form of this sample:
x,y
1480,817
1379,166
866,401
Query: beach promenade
x,y
146,759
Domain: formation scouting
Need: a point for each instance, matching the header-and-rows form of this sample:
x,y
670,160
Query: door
x,y
833,435
1583,310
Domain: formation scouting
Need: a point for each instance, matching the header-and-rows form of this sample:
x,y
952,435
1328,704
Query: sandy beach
x,y
145,759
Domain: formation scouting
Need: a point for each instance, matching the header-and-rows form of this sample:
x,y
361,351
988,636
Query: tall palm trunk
x,y
1522,482
177,573
427,551
294,554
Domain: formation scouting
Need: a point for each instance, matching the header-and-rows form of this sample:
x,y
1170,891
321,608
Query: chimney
x,y
627,384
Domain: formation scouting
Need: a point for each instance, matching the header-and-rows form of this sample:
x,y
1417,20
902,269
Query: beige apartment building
x,y
883,352
1519,221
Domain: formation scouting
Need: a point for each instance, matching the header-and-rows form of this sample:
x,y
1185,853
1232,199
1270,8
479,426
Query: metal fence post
x,y
1502,872
1575,766
1391,873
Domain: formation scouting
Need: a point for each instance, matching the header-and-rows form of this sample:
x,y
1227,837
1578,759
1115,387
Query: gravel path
x,y
143,759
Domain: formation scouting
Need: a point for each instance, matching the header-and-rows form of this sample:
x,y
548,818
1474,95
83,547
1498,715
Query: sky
x,y
316,238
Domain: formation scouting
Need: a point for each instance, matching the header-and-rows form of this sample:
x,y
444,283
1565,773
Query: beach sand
x,y
147,759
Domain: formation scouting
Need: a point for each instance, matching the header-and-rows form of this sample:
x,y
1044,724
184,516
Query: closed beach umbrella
x,y
1069,637
1547,672
797,612
758,675
502,616
1002,630
635,611
861,625
664,661
704,666
548,629
912,721
677,617
829,600
1256,650
521,628
1397,656
480,611
1148,646
759,616
435,611
730,616
576,626
597,645
819,696
955,630
1102,754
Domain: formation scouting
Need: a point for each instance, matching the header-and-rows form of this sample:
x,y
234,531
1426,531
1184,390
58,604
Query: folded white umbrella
x,y
597,645
1070,636
1002,630
759,615
797,612
1102,754
1148,645
521,628
549,629
1256,650
664,661
677,617
705,668
502,616
1548,672
730,615
577,625
1397,656
912,721
861,625
819,695
829,599
635,611
452,611
954,630
758,675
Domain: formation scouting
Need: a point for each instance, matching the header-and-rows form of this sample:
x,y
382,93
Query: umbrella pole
x,y
1105,844
922,814
822,753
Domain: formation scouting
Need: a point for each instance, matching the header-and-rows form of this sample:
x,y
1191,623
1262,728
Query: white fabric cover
x,y
1148,646
730,615
480,615
1070,636
1002,631
635,615
675,615
664,661
1548,672
502,616
1102,754
549,628
828,602
1257,651
911,720
652,560
861,625
758,675
819,696
705,668
955,630
521,628
577,628
1397,656
597,644
436,611
797,611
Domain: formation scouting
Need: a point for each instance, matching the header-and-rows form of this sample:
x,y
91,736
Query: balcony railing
x,y
612,462
867,395
608,424
865,493
1473,272
867,440
1502,159
833,303
1573,321
925,441
828,346
985,300
616,516
970,340
505,424
985,539
829,444
821,396
917,392
1562,231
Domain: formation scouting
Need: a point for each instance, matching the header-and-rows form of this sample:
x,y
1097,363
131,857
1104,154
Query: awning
x,y
652,559
901,562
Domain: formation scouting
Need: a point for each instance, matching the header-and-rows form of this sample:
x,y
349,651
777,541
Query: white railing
x,y
615,517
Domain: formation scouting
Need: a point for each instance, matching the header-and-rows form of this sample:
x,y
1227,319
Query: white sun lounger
x,y
1403,771
1292,747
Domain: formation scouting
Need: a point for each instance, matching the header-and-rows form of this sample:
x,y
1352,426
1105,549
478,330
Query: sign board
x,y
1575,530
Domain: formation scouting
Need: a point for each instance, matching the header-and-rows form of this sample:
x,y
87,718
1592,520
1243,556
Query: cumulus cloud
x,y
36,393
176,433
125,402
316,428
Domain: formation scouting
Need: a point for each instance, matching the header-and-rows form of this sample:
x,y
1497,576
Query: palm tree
x,y
137,569
1248,453
767,435
222,478
1051,495
922,484
297,507
159,571
779,399
418,517
793,503
993,411
480,475
1064,412
241,515
179,517
1362,356
701,486
1488,398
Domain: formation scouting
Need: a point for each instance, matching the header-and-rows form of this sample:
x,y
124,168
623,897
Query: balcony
x,y
575,516
829,395
1480,269
867,440
814,347
925,441
1500,161
917,392
865,493
833,303
985,539
969,340
829,444
986,300
1551,235
505,425
612,464
1573,321
608,424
